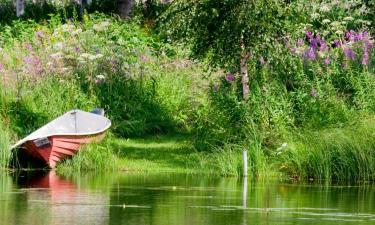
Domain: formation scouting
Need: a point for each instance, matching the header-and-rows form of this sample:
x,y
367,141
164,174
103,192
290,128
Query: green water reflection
x,y
140,199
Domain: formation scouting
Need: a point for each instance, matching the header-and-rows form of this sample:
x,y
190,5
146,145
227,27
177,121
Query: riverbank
x,y
162,153
297,123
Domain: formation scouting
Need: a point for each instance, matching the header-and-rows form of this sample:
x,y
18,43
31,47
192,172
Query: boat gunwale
x,y
26,139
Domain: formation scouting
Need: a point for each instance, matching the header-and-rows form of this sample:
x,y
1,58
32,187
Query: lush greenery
x,y
309,112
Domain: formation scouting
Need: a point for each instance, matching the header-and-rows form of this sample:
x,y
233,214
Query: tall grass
x,y
4,147
92,157
335,154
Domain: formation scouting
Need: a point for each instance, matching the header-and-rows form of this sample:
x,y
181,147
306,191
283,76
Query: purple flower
x,y
261,61
1,67
293,50
365,58
29,47
311,54
314,43
351,35
144,58
28,59
77,49
314,93
308,35
368,44
349,53
39,33
300,42
336,43
323,46
229,77
327,61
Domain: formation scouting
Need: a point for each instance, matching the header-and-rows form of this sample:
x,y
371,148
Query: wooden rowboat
x,y
62,137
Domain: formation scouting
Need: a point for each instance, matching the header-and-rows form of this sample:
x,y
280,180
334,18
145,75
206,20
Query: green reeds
x,y
335,154
4,147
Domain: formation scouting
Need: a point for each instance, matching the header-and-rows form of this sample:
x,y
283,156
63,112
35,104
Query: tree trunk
x,y
124,8
244,70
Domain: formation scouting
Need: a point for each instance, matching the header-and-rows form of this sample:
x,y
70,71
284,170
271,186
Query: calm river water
x,y
143,199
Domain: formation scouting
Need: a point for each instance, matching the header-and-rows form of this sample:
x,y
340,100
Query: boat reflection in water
x,y
53,200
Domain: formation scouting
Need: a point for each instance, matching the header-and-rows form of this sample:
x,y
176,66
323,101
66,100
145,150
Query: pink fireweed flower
x,y
314,43
336,43
365,58
349,53
323,46
308,35
327,61
300,42
229,77
311,54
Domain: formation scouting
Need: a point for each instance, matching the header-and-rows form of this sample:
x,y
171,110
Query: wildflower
x,y
336,43
351,36
28,59
280,149
262,61
75,32
327,61
59,46
348,18
314,93
29,47
85,55
368,44
349,53
229,77
99,79
300,42
101,26
326,21
308,35
323,46
293,50
144,58
311,54
314,42
77,49
57,55
1,67
315,16
365,58
39,33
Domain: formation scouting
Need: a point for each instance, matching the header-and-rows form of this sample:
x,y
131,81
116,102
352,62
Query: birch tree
x,y
225,32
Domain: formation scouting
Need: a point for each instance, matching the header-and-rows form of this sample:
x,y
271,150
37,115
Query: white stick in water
x,y
244,156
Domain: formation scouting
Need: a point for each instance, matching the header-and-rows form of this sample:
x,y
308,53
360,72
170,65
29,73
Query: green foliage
x,y
215,29
333,154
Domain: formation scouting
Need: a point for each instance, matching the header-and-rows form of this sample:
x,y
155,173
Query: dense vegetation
x,y
291,82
